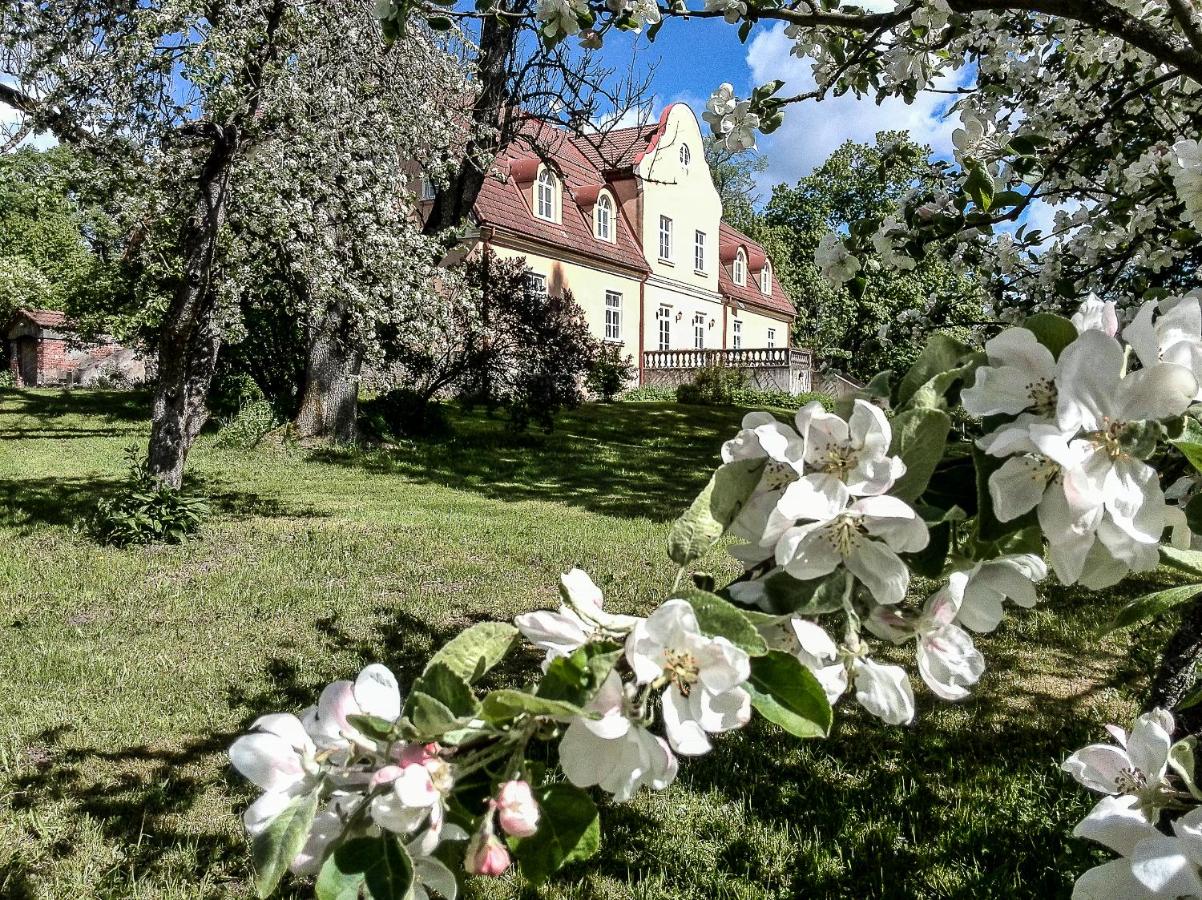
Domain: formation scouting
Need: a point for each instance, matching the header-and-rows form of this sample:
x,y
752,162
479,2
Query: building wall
x,y
686,195
588,283
755,328
682,306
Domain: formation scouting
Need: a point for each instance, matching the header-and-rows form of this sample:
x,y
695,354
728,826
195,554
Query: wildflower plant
x,y
1064,431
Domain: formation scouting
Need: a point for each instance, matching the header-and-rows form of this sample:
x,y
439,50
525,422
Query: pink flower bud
x,y
517,809
386,775
486,855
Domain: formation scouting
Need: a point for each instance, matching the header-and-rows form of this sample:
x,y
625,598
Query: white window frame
x,y
428,192
766,278
665,238
664,317
603,218
545,189
740,268
737,335
699,251
699,331
771,338
537,283
613,316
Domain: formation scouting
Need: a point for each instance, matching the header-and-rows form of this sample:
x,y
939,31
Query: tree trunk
x,y
1177,672
330,403
190,336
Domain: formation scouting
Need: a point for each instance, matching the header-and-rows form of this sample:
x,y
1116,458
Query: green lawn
x,y
127,672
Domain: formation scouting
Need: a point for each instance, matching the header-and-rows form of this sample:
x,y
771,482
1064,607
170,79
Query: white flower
x,y
992,582
1135,769
1020,377
614,752
732,10
578,621
1187,178
1152,863
739,126
1175,337
373,693
947,659
517,810
883,690
884,240
865,536
977,137
1095,314
277,754
856,451
559,17
815,649
703,675
644,12
720,103
328,825
836,263
420,783
764,437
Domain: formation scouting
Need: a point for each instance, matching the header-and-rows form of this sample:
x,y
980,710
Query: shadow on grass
x,y
644,460
111,407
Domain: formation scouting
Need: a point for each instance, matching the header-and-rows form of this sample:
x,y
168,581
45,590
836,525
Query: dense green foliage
x,y
611,371
125,664
841,325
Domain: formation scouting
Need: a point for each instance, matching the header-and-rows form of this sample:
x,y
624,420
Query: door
x,y
27,361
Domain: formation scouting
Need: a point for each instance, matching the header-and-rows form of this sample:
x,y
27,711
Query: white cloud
x,y
813,130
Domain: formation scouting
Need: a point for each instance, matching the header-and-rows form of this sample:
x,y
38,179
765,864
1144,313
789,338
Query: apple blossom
x,y
517,811
1135,769
486,855
836,263
703,676
1174,337
277,755
1095,314
373,693
993,581
865,536
1020,378
855,451
720,103
580,619
614,751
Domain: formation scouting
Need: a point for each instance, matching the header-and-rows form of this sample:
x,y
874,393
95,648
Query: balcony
x,y
768,368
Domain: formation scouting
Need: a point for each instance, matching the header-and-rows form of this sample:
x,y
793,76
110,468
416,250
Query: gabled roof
x,y
45,318
729,240
615,150
504,200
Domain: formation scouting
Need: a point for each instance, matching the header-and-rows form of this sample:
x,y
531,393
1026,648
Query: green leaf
x,y
372,726
788,595
443,685
1189,441
941,354
439,23
431,718
472,653
508,703
381,863
707,519
979,186
919,436
785,692
1054,332
577,678
277,845
720,618
1189,561
569,830
1151,605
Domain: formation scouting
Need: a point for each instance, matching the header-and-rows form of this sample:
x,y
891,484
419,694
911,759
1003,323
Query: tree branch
x,y
1184,14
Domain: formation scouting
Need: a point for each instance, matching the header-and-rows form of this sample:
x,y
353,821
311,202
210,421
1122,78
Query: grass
x,y
127,672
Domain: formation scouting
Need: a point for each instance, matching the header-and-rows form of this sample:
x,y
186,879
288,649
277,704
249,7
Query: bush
x,y
405,413
146,511
780,399
610,373
648,394
711,386
7,380
230,393
246,430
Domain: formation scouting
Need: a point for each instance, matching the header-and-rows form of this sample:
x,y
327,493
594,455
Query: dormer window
x,y
740,272
686,156
766,278
544,196
603,218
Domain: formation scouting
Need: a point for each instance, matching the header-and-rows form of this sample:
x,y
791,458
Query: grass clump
x,y
147,511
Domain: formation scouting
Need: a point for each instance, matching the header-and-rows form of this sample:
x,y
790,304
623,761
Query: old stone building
x,y
43,348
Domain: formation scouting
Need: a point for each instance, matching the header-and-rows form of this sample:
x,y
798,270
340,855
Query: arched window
x,y
766,278
545,196
686,156
740,267
603,214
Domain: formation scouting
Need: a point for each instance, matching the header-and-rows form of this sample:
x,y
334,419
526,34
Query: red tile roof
x,y
45,318
729,240
505,202
615,150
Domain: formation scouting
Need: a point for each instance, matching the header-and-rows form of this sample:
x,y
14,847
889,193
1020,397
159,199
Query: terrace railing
x,y
768,368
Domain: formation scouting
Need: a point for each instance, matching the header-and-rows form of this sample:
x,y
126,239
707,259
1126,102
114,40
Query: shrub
x,y
405,413
648,394
146,511
711,386
781,399
246,430
232,392
6,379
610,373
